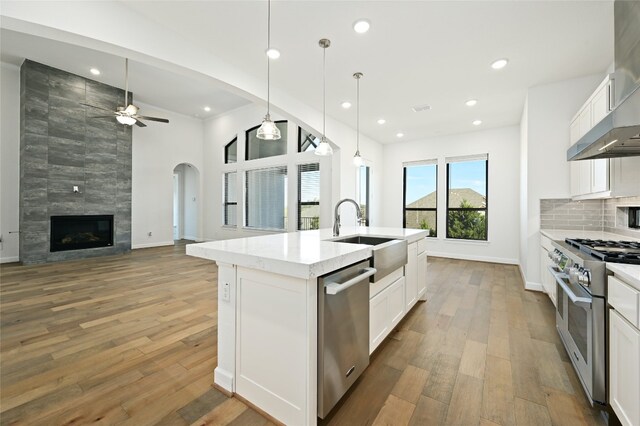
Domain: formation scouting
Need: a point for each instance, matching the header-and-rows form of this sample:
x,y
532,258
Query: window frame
x,y
367,210
246,142
226,152
418,209
306,203
300,130
486,200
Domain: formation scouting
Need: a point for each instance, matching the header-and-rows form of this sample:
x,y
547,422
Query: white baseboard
x,y
149,245
473,257
529,285
224,379
9,259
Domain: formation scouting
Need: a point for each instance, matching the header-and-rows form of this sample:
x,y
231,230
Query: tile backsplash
x,y
610,215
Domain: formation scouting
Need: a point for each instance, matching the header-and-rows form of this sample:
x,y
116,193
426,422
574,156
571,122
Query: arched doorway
x,y
186,187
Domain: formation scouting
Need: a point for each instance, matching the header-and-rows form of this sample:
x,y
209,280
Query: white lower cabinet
x,y
422,275
386,309
411,274
624,369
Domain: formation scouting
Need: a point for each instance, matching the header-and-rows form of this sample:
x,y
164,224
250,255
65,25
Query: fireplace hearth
x,y
81,232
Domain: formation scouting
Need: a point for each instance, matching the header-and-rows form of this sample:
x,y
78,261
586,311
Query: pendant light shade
x,y
268,130
323,147
357,159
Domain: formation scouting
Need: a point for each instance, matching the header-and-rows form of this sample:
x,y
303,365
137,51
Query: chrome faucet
x,y
336,221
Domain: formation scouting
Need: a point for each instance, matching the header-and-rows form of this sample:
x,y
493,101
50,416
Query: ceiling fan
x,y
128,115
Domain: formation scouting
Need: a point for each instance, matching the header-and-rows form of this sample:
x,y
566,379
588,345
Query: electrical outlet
x,y
150,233
226,292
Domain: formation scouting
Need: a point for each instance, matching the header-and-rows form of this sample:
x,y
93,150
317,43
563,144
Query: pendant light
x,y
323,147
268,129
357,159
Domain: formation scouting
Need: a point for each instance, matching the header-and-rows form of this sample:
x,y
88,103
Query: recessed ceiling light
x,y
499,64
346,104
361,26
94,71
381,121
273,53
207,109
400,134
471,102
477,122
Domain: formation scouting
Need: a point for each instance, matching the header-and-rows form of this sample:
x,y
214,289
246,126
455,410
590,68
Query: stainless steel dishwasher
x,y
343,331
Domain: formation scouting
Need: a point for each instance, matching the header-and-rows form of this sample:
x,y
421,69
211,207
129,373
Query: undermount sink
x,y
387,255
363,239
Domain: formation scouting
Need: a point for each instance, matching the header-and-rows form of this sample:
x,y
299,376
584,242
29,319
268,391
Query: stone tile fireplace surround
x,y
61,148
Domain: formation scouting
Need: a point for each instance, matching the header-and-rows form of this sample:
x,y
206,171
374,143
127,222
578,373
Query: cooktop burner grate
x,y
609,251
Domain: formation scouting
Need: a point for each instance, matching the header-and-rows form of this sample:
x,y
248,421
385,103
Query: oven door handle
x,y
584,302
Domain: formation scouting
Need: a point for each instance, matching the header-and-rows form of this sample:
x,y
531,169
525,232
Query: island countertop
x,y
303,254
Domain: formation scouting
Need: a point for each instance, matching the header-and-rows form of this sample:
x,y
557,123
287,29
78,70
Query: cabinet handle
x,y
611,94
335,288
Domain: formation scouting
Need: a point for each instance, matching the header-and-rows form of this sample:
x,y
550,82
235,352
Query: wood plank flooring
x,y
131,340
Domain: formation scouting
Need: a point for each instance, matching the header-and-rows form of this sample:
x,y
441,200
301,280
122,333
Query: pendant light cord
x,y
126,82
358,115
324,91
268,60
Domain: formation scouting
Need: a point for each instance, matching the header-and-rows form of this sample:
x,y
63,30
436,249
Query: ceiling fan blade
x,y
96,107
161,120
102,116
140,123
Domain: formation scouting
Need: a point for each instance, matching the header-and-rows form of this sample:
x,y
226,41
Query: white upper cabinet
x,y
590,178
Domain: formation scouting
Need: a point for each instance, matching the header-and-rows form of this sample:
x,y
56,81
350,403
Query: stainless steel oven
x,y
581,316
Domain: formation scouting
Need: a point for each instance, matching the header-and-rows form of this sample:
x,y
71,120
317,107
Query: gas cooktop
x,y
609,251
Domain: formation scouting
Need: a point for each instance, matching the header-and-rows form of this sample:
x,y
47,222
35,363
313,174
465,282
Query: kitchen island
x,y
268,310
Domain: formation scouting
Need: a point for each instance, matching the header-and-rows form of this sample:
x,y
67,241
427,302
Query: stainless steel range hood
x,y
618,134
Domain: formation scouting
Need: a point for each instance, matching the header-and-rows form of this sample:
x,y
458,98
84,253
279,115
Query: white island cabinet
x,y
267,310
624,342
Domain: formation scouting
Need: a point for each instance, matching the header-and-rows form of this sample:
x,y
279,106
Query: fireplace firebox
x,y
81,232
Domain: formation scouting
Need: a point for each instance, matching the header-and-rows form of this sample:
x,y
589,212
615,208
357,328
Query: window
x,y
467,197
231,151
308,196
265,198
306,141
258,148
230,199
363,193
421,196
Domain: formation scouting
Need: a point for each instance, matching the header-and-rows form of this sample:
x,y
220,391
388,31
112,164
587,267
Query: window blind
x,y
265,198
230,199
309,196
476,157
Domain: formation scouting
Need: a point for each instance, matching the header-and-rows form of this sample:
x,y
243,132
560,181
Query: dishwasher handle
x,y
335,288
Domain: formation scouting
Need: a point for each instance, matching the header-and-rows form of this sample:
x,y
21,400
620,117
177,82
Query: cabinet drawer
x,y
377,287
545,242
624,299
422,245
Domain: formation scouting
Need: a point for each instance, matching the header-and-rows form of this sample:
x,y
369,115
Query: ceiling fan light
x,y
323,148
268,130
357,159
125,119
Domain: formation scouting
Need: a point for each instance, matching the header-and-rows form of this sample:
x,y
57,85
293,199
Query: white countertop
x,y
304,254
628,273
561,234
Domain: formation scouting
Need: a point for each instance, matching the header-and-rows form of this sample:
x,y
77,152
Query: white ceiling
x,y
417,52
150,85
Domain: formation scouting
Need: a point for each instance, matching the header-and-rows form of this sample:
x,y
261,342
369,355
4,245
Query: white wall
x,y
339,174
157,150
546,173
502,145
9,161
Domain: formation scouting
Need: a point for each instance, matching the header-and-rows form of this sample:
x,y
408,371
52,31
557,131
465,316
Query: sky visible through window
x,y
421,180
469,174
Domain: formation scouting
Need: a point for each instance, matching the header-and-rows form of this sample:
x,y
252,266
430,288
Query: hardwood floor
x,y
131,339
